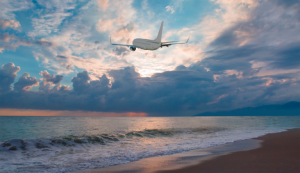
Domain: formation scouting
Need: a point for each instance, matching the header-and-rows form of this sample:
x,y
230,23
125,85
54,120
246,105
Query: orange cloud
x,y
29,112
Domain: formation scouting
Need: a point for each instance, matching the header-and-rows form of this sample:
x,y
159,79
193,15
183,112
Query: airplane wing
x,y
169,43
124,45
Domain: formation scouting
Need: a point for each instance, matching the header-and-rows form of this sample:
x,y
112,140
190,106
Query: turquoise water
x,y
61,144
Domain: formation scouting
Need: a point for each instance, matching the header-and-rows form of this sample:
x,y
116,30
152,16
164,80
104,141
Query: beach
x,y
274,152
135,144
279,152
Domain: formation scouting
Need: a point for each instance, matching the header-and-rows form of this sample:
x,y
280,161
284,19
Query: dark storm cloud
x,y
168,93
269,36
288,57
25,83
268,22
288,3
81,82
237,58
285,57
226,38
8,73
283,76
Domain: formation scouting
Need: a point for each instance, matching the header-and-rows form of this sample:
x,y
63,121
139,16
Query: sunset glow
x,y
26,112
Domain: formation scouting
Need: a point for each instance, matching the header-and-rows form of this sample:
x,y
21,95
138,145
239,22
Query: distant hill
x,y
290,108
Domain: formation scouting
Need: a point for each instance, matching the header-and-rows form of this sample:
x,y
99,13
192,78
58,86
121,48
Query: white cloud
x,y
177,4
170,8
96,22
48,23
8,7
51,16
83,39
81,42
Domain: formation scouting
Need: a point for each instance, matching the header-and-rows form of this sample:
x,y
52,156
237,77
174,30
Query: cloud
x,y
103,4
6,37
265,37
9,7
185,90
61,56
170,8
51,78
259,26
174,5
125,33
9,24
51,83
77,36
42,42
11,42
287,57
105,25
121,51
81,81
81,39
8,73
25,83
218,99
288,3
51,16
7,41
144,4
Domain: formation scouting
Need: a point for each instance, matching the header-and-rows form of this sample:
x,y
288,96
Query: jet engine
x,y
132,48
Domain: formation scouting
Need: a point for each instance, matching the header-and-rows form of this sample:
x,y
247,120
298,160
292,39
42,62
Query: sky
x,y
56,59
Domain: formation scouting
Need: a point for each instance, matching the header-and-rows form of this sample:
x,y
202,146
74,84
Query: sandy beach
x,y
279,153
276,152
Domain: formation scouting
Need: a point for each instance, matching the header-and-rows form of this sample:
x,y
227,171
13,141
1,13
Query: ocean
x,y
64,144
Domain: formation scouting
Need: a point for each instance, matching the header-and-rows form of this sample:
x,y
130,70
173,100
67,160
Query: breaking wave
x,y
71,153
102,139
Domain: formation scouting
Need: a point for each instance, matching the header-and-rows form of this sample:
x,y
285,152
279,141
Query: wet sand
x,y
277,152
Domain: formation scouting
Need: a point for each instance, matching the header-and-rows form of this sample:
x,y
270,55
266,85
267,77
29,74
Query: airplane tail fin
x,y
158,38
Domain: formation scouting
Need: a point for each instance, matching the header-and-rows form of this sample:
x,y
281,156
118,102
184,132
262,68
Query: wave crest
x,y
102,139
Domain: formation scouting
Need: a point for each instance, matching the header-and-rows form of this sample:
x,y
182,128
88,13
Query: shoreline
x,y
193,161
279,152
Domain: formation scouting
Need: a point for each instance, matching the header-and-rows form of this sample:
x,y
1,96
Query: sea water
x,y
64,144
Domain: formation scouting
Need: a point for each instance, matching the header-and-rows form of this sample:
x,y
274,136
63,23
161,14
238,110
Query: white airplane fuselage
x,y
146,44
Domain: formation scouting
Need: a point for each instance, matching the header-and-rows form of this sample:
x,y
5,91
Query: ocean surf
x,y
65,144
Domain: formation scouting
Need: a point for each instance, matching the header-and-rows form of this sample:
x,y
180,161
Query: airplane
x,y
147,44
